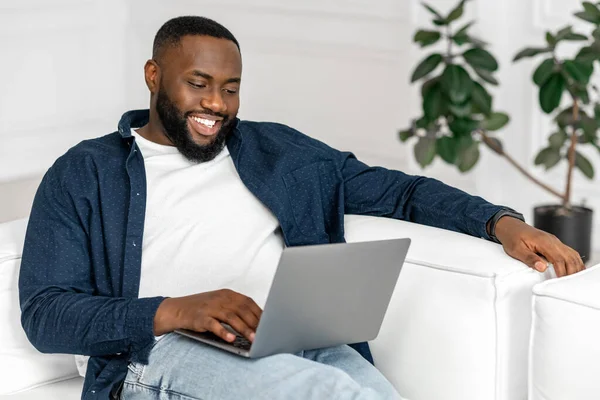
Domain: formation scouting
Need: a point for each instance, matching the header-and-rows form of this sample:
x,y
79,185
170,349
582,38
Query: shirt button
x,y
134,244
137,194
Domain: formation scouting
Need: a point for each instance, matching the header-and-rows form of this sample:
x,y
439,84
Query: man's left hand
x,y
531,246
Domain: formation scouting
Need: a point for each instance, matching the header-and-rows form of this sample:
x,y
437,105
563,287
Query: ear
x,y
152,76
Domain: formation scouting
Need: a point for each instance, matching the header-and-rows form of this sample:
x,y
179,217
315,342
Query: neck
x,y
154,130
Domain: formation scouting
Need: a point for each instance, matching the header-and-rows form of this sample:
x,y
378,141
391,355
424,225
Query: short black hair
x,y
174,29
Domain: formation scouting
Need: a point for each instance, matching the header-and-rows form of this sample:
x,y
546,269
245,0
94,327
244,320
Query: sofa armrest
x,y
458,323
564,358
22,366
437,247
12,238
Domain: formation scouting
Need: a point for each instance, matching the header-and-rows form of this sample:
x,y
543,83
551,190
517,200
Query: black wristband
x,y
505,212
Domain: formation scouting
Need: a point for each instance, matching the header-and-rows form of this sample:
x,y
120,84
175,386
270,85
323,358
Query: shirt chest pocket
x,y
311,192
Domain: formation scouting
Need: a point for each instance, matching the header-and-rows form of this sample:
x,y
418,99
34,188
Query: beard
x,y
175,125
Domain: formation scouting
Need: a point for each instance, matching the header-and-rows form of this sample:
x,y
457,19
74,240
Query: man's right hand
x,y
206,311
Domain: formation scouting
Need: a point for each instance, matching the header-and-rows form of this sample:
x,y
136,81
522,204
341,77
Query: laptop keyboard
x,y
240,342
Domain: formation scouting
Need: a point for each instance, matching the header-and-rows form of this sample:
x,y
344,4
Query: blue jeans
x,y
181,368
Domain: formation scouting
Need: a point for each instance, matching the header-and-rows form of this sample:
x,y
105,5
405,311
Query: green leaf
x,y
463,126
464,38
586,17
551,92
575,71
481,99
543,72
464,29
590,127
586,68
481,59
468,157
596,34
446,147
477,42
426,38
405,135
462,110
432,102
531,52
548,157
457,83
567,34
581,92
560,35
592,10
422,123
564,118
433,11
425,150
584,165
440,22
557,139
427,85
495,121
457,12
486,76
587,54
576,37
461,39
426,66
551,39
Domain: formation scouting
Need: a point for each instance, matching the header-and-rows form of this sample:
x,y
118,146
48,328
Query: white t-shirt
x,y
204,230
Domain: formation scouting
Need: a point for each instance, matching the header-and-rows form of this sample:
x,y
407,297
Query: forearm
x,y
58,321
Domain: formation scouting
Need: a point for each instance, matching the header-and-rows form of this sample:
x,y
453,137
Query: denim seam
x,y
161,390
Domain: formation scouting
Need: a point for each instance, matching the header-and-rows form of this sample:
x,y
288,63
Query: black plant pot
x,y
573,227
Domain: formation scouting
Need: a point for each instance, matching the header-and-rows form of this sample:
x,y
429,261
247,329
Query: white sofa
x,y
565,338
458,326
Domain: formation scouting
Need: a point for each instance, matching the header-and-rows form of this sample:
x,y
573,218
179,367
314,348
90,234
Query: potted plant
x,y
458,112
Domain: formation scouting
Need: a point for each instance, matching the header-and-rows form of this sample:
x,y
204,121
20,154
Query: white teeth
x,y
206,122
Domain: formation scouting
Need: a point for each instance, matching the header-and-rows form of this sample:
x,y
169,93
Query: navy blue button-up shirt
x,y
80,272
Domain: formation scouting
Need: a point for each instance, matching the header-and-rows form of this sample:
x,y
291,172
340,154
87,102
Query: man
x,y
175,220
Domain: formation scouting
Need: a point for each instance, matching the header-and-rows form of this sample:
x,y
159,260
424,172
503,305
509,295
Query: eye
x,y
197,85
230,91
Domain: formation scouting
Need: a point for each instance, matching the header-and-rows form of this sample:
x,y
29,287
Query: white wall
x,y
336,69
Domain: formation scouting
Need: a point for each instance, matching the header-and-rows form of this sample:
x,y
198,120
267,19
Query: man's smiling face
x,y
197,96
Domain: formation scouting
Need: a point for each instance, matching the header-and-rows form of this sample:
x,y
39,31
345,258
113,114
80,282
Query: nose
x,y
213,101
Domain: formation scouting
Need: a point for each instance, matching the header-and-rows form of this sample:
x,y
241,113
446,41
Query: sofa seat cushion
x,y
565,338
69,389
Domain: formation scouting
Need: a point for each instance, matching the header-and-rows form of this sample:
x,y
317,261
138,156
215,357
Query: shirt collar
x,y
132,119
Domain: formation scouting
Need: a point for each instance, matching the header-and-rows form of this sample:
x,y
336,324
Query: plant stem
x,y
571,154
522,170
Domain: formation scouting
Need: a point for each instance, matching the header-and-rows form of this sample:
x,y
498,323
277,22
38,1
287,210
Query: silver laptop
x,y
322,296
